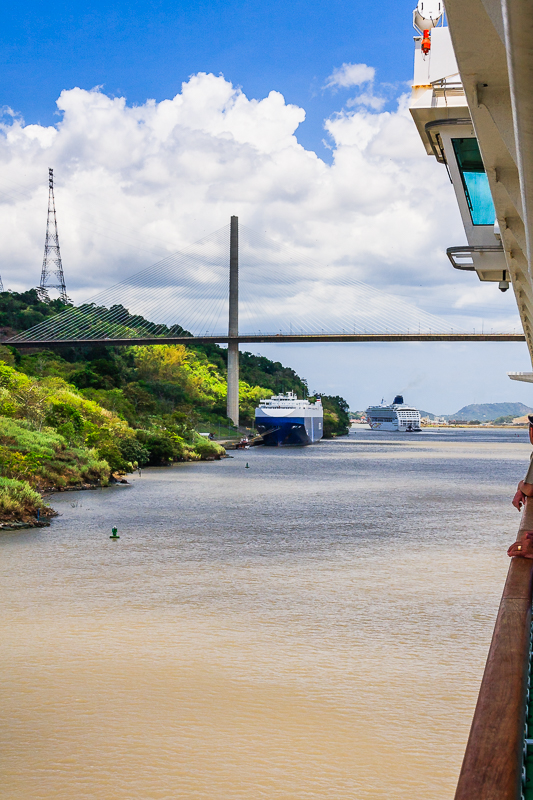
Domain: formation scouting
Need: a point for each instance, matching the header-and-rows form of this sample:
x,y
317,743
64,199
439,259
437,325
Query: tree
x,y
336,416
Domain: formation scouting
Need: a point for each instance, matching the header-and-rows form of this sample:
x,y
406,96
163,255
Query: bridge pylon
x,y
233,324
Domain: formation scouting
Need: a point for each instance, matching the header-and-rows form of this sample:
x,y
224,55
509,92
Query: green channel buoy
x,y
114,534
247,467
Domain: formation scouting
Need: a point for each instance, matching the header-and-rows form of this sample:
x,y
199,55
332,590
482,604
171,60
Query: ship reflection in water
x,y
298,629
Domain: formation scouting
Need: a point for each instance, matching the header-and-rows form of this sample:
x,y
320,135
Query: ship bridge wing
x,y
472,103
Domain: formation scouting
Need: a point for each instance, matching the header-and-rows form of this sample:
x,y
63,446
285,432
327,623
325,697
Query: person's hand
x,y
519,499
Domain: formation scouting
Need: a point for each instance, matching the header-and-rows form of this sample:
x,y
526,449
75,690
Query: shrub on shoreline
x,y
208,449
44,458
18,501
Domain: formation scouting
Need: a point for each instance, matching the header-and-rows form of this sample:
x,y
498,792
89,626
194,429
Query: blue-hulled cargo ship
x,y
284,420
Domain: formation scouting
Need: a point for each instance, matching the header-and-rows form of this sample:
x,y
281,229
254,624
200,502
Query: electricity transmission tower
x,y
52,266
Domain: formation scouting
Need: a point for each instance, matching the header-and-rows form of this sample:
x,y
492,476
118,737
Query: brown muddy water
x,y
314,626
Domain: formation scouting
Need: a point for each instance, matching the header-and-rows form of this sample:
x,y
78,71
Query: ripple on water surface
x,y
314,626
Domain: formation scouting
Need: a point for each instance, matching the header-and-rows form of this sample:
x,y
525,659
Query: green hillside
x,y
22,310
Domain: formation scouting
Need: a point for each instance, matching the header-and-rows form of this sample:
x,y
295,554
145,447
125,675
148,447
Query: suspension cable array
x,y
281,292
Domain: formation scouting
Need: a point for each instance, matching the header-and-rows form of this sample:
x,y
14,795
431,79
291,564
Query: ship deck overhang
x,y
493,46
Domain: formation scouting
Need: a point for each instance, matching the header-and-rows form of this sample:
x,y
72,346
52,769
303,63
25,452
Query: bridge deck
x,y
267,338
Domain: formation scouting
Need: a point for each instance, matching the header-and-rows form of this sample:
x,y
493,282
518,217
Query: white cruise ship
x,y
396,417
285,420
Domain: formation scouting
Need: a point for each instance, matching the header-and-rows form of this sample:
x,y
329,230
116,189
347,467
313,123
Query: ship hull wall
x,y
394,425
287,431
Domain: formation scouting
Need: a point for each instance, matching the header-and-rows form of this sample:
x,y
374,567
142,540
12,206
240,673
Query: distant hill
x,y
485,412
428,414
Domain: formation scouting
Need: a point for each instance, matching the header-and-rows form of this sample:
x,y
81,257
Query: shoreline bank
x,y
115,480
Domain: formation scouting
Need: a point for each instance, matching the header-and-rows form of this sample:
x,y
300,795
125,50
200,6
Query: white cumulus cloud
x,y
367,99
350,75
136,183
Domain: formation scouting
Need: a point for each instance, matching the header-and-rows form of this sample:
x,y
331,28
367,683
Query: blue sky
x,y
145,50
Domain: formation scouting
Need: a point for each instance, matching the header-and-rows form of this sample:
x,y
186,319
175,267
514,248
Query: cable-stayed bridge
x,y
275,295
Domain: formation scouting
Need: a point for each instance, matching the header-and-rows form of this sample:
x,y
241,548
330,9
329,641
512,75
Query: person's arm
x,y
526,488
519,498
523,490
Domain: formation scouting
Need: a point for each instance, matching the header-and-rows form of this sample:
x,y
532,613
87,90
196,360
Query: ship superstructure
x,y
472,105
285,420
395,417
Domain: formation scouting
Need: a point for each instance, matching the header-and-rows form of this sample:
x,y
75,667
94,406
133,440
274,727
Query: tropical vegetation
x,y
78,416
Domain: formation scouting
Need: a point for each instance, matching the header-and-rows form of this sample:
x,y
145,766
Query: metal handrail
x,y
493,765
444,83
468,250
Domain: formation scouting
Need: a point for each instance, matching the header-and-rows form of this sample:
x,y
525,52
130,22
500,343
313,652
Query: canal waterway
x,y
313,626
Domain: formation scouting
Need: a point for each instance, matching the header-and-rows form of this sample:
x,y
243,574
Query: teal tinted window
x,y
475,181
